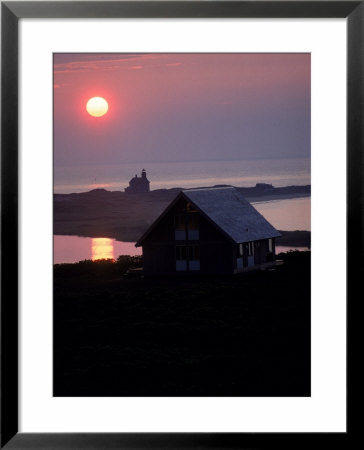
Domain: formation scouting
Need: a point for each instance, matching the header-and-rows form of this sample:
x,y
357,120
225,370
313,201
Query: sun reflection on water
x,y
102,248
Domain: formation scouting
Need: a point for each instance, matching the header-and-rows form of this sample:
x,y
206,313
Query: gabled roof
x,y
228,210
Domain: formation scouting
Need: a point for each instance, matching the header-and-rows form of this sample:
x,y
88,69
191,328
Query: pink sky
x,y
169,107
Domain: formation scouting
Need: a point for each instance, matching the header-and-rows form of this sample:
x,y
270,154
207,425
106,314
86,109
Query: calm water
x,y
69,249
292,214
289,215
279,172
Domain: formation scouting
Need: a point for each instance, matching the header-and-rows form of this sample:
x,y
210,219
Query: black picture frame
x,y
11,12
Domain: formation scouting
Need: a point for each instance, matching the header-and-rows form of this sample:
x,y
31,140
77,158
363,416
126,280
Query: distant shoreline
x,y
125,217
272,197
252,191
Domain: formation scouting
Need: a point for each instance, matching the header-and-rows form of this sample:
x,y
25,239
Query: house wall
x,y
262,254
159,248
261,248
159,258
217,253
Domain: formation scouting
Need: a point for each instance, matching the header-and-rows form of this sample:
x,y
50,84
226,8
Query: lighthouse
x,y
139,185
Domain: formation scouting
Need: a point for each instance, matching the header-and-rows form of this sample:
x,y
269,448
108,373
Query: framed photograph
x,y
177,286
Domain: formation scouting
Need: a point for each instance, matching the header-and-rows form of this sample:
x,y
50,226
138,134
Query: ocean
x,y
243,173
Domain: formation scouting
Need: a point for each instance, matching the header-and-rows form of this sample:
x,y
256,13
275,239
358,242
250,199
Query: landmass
x,y
239,335
125,217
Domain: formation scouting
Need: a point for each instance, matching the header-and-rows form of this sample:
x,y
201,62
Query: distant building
x,y
138,185
264,187
211,230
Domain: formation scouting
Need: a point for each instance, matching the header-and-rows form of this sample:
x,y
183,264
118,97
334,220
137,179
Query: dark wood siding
x,y
159,248
260,252
163,231
217,251
159,258
217,258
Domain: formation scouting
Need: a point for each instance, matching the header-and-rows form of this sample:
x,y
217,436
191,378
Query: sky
x,y
181,107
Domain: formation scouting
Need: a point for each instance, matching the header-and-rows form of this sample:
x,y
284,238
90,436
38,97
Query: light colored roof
x,y
228,210
234,215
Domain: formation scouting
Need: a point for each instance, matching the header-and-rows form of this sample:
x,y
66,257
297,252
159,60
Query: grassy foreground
x,y
244,335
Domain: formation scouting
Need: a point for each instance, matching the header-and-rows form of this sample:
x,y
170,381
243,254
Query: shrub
x,y
102,268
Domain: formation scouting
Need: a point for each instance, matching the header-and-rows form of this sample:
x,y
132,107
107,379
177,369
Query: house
x,y
138,185
212,230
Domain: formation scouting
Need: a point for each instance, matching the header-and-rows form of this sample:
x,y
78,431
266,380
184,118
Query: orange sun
x,y
97,106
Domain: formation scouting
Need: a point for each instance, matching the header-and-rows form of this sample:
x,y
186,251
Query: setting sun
x,y
97,106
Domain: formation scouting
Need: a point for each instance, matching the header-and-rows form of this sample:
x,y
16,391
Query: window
x,y
251,254
187,227
270,244
180,222
187,257
193,222
250,248
190,207
180,227
181,252
193,227
193,252
241,249
193,257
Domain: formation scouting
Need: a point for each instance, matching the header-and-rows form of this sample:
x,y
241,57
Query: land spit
x,y
125,217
